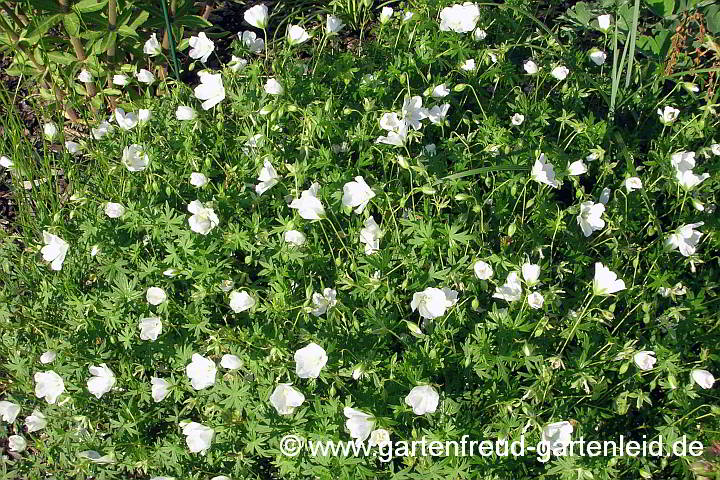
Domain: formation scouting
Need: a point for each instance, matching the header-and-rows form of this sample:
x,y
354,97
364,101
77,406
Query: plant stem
x,y
169,36
577,322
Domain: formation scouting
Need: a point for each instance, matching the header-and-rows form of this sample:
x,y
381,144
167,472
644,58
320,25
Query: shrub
x,y
537,264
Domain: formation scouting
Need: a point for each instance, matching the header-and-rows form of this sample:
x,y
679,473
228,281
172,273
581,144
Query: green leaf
x,y
47,5
86,6
72,24
139,20
63,58
662,8
712,18
41,25
192,21
126,32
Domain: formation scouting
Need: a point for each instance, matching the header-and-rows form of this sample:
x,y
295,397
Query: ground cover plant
x,y
464,221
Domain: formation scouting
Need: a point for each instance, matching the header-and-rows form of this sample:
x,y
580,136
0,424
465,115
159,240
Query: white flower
x,y
203,219
95,457
241,301
237,64
606,281
413,112
577,168
94,250
440,91
198,180
231,362
360,424
297,35
645,360
170,272
370,236
267,179
185,113
530,67
557,436
36,421
273,87
85,77
396,127
715,148
322,302
333,24
379,438
48,385
160,389
357,194
605,196
308,205
201,372
73,147
590,217
50,130
468,65
152,46
310,360
386,14
134,158
604,22
54,250
479,34
483,270
201,48
120,80
145,76
6,162
144,115
437,114
684,162
155,295
126,121
407,16
632,184
560,73
103,129
198,437
47,357
517,119
211,90
150,328
294,237
257,16
511,291
668,115
598,57
531,273
16,443
535,300
678,289
9,410
102,380
286,399
544,172
702,377
252,42
459,18
433,302
114,210
422,399
685,239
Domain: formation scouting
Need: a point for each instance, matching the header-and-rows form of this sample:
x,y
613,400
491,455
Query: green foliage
x,y
502,369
